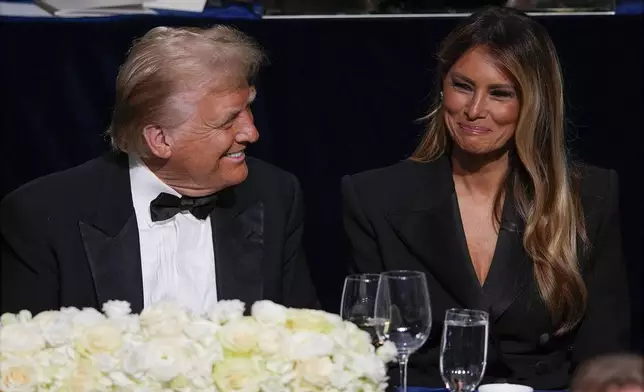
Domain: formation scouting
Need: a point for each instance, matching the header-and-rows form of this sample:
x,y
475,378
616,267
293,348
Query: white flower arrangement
x,y
165,348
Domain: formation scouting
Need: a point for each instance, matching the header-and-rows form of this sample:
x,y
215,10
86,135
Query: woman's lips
x,y
473,129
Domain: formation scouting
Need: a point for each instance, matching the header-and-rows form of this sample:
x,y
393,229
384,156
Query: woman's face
x,y
481,104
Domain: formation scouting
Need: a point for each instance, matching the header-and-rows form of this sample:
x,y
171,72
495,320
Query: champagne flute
x,y
464,349
359,301
403,302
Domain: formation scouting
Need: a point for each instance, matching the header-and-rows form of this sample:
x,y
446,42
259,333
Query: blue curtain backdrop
x,y
339,96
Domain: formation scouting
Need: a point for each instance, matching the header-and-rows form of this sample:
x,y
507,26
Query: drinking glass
x,y
403,303
464,349
359,301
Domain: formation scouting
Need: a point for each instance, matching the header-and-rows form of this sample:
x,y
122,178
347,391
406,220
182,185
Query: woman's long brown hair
x,y
542,179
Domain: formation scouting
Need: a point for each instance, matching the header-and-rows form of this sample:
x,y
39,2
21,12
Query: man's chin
x,y
237,176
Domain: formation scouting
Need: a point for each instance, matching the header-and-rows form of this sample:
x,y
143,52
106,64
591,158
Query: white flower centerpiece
x,y
165,348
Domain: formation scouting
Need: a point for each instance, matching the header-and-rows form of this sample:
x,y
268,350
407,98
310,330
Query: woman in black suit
x,y
495,213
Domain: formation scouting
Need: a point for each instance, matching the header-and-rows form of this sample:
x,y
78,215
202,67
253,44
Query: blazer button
x,y
541,368
544,338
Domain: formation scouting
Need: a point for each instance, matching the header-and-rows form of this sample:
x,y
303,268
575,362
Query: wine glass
x,y
464,349
403,303
359,301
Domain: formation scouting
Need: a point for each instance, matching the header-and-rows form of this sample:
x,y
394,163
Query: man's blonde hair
x,y
169,70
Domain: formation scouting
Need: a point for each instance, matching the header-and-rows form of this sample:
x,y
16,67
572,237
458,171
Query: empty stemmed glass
x,y
402,302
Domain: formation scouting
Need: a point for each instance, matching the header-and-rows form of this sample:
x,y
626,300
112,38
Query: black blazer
x,y
71,239
406,217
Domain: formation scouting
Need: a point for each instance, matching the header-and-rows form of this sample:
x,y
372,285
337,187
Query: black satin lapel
x,y
511,269
434,237
239,249
115,263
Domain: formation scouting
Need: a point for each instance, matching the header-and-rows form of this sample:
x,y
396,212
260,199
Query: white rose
x,y
86,378
144,386
8,318
202,331
160,359
53,357
164,319
101,338
24,316
56,327
340,379
117,309
69,311
239,336
387,352
21,338
341,337
340,360
302,386
368,366
271,341
316,371
281,368
180,383
238,374
305,345
106,363
86,318
133,360
208,354
312,320
56,363
268,313
120,380
227,310
360,341
127,324
200,375
18,374
362,386
201,361
274,384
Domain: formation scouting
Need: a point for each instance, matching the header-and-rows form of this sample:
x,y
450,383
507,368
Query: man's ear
x,y
157,141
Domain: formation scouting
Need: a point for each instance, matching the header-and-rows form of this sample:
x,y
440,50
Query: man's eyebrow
x,y
233,114
230,117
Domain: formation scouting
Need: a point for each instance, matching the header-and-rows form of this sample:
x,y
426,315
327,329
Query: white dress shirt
x,y
177,255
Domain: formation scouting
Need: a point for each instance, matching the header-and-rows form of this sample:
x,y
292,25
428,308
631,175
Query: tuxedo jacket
x,y
71,239
406,216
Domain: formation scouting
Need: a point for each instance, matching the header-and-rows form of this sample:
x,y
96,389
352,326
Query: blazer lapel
x,y
238,238
511,269
429,227
111,239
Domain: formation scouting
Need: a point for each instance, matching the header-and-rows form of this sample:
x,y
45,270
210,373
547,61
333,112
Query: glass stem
x,y
403,372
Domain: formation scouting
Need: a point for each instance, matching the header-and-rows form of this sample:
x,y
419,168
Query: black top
x,y
71,239
406,216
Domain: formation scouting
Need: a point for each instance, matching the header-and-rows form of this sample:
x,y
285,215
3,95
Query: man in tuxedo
x,y
178,211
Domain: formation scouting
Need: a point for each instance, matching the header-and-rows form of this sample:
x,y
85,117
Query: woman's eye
x,y
503,94
460,85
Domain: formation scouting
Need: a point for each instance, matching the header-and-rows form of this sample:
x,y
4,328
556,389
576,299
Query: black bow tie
x,y
165,206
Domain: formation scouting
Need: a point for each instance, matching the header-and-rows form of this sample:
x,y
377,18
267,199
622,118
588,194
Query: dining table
x,y
425,389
